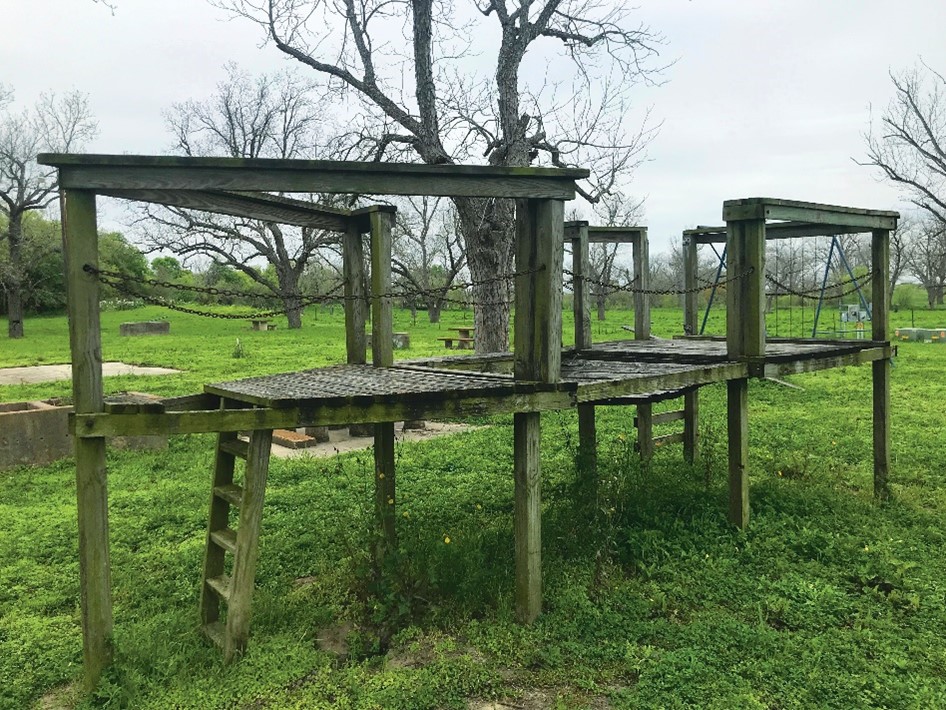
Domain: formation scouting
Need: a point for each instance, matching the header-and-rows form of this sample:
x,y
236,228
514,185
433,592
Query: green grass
x,y
651,599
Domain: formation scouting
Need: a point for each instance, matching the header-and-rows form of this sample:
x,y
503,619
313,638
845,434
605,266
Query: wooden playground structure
x,y
539,375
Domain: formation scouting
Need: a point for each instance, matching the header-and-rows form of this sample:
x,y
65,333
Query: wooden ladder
x,y
234,589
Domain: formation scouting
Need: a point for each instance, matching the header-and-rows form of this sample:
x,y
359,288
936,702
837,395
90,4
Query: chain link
x,y
815,293
630,288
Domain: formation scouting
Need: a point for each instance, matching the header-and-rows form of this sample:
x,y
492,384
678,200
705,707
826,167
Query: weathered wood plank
x,y
665,417
691,400
795,211
528,517
353,270
224,465
773,231
880,260
794,367
269,208
127,172
737,408
80,245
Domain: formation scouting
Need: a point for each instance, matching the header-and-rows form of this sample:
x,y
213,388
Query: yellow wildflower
x,y
446,539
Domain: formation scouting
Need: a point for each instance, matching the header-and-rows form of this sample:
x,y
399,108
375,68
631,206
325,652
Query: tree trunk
x,y
291,298
488,233
601,301
14,285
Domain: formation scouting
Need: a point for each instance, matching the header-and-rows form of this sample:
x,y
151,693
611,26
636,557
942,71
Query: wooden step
x,y
225,538
216,632
664,417
221,585
235,447
231,493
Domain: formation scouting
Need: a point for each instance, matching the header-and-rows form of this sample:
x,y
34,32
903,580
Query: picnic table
x,y
262,324
463,339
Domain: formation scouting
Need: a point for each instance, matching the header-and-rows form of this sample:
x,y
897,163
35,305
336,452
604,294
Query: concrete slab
x,y
50,373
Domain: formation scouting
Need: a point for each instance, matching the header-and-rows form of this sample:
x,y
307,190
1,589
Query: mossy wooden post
x,y
641,257
691,400
880,258
80,244
577,233
353,270
382,355
538,356
745,340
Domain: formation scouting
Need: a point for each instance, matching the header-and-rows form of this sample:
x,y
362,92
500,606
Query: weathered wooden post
x,y
880,258
538,356
577,233
745,340
80,244
353,271
641,256
382,355
691,400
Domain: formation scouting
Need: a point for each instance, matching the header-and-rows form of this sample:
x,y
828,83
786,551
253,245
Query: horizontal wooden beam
x,y
597,391
664,417
136,172
775,230
268,208
810,212
814,364
215,420
606,235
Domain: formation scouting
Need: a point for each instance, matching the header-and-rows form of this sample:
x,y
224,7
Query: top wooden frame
x,y
770,208
606,235
133,173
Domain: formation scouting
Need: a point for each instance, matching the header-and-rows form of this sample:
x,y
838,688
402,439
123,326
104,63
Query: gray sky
x,y
766,98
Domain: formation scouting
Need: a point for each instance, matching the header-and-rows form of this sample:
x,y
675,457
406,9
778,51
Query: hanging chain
x,y
630,288
815,293
126,285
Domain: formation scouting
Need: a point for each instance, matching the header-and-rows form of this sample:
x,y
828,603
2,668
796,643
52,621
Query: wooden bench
x,y
462,343
262,324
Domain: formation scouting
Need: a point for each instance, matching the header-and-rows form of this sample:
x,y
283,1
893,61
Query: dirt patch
x,y
340,442
51,373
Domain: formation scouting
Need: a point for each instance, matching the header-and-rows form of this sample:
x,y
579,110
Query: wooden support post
x,y
745,339
641,258
247,543
581,307
214,555
691,400
538,353
880,258
382,355
80,244
353,270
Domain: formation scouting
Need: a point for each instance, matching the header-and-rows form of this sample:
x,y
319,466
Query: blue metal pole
x,y
824,284
850,273
719,273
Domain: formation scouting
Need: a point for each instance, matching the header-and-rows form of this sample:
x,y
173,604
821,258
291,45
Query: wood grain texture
x,y
353,271
737,404
80,245
528,517
880,260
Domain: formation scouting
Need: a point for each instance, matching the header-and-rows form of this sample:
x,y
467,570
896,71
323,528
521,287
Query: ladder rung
x,y
664,417
221,585
225,538
668,439
216,631
235,447
231,493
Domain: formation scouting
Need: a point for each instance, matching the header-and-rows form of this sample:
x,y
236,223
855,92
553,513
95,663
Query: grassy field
x,y
652,600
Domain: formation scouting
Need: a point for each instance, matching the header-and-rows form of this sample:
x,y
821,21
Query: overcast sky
x,y
766,98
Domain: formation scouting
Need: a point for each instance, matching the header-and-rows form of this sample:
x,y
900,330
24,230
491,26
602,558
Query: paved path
x,y
49,373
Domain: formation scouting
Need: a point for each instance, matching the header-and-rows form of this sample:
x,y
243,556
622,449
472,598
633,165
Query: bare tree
x,y
54,124
427,101
925,256
909,146
268,116
428,254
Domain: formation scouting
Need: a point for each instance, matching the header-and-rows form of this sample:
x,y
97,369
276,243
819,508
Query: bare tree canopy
x,y
909,144
267,116
58,124
555,91
427,252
